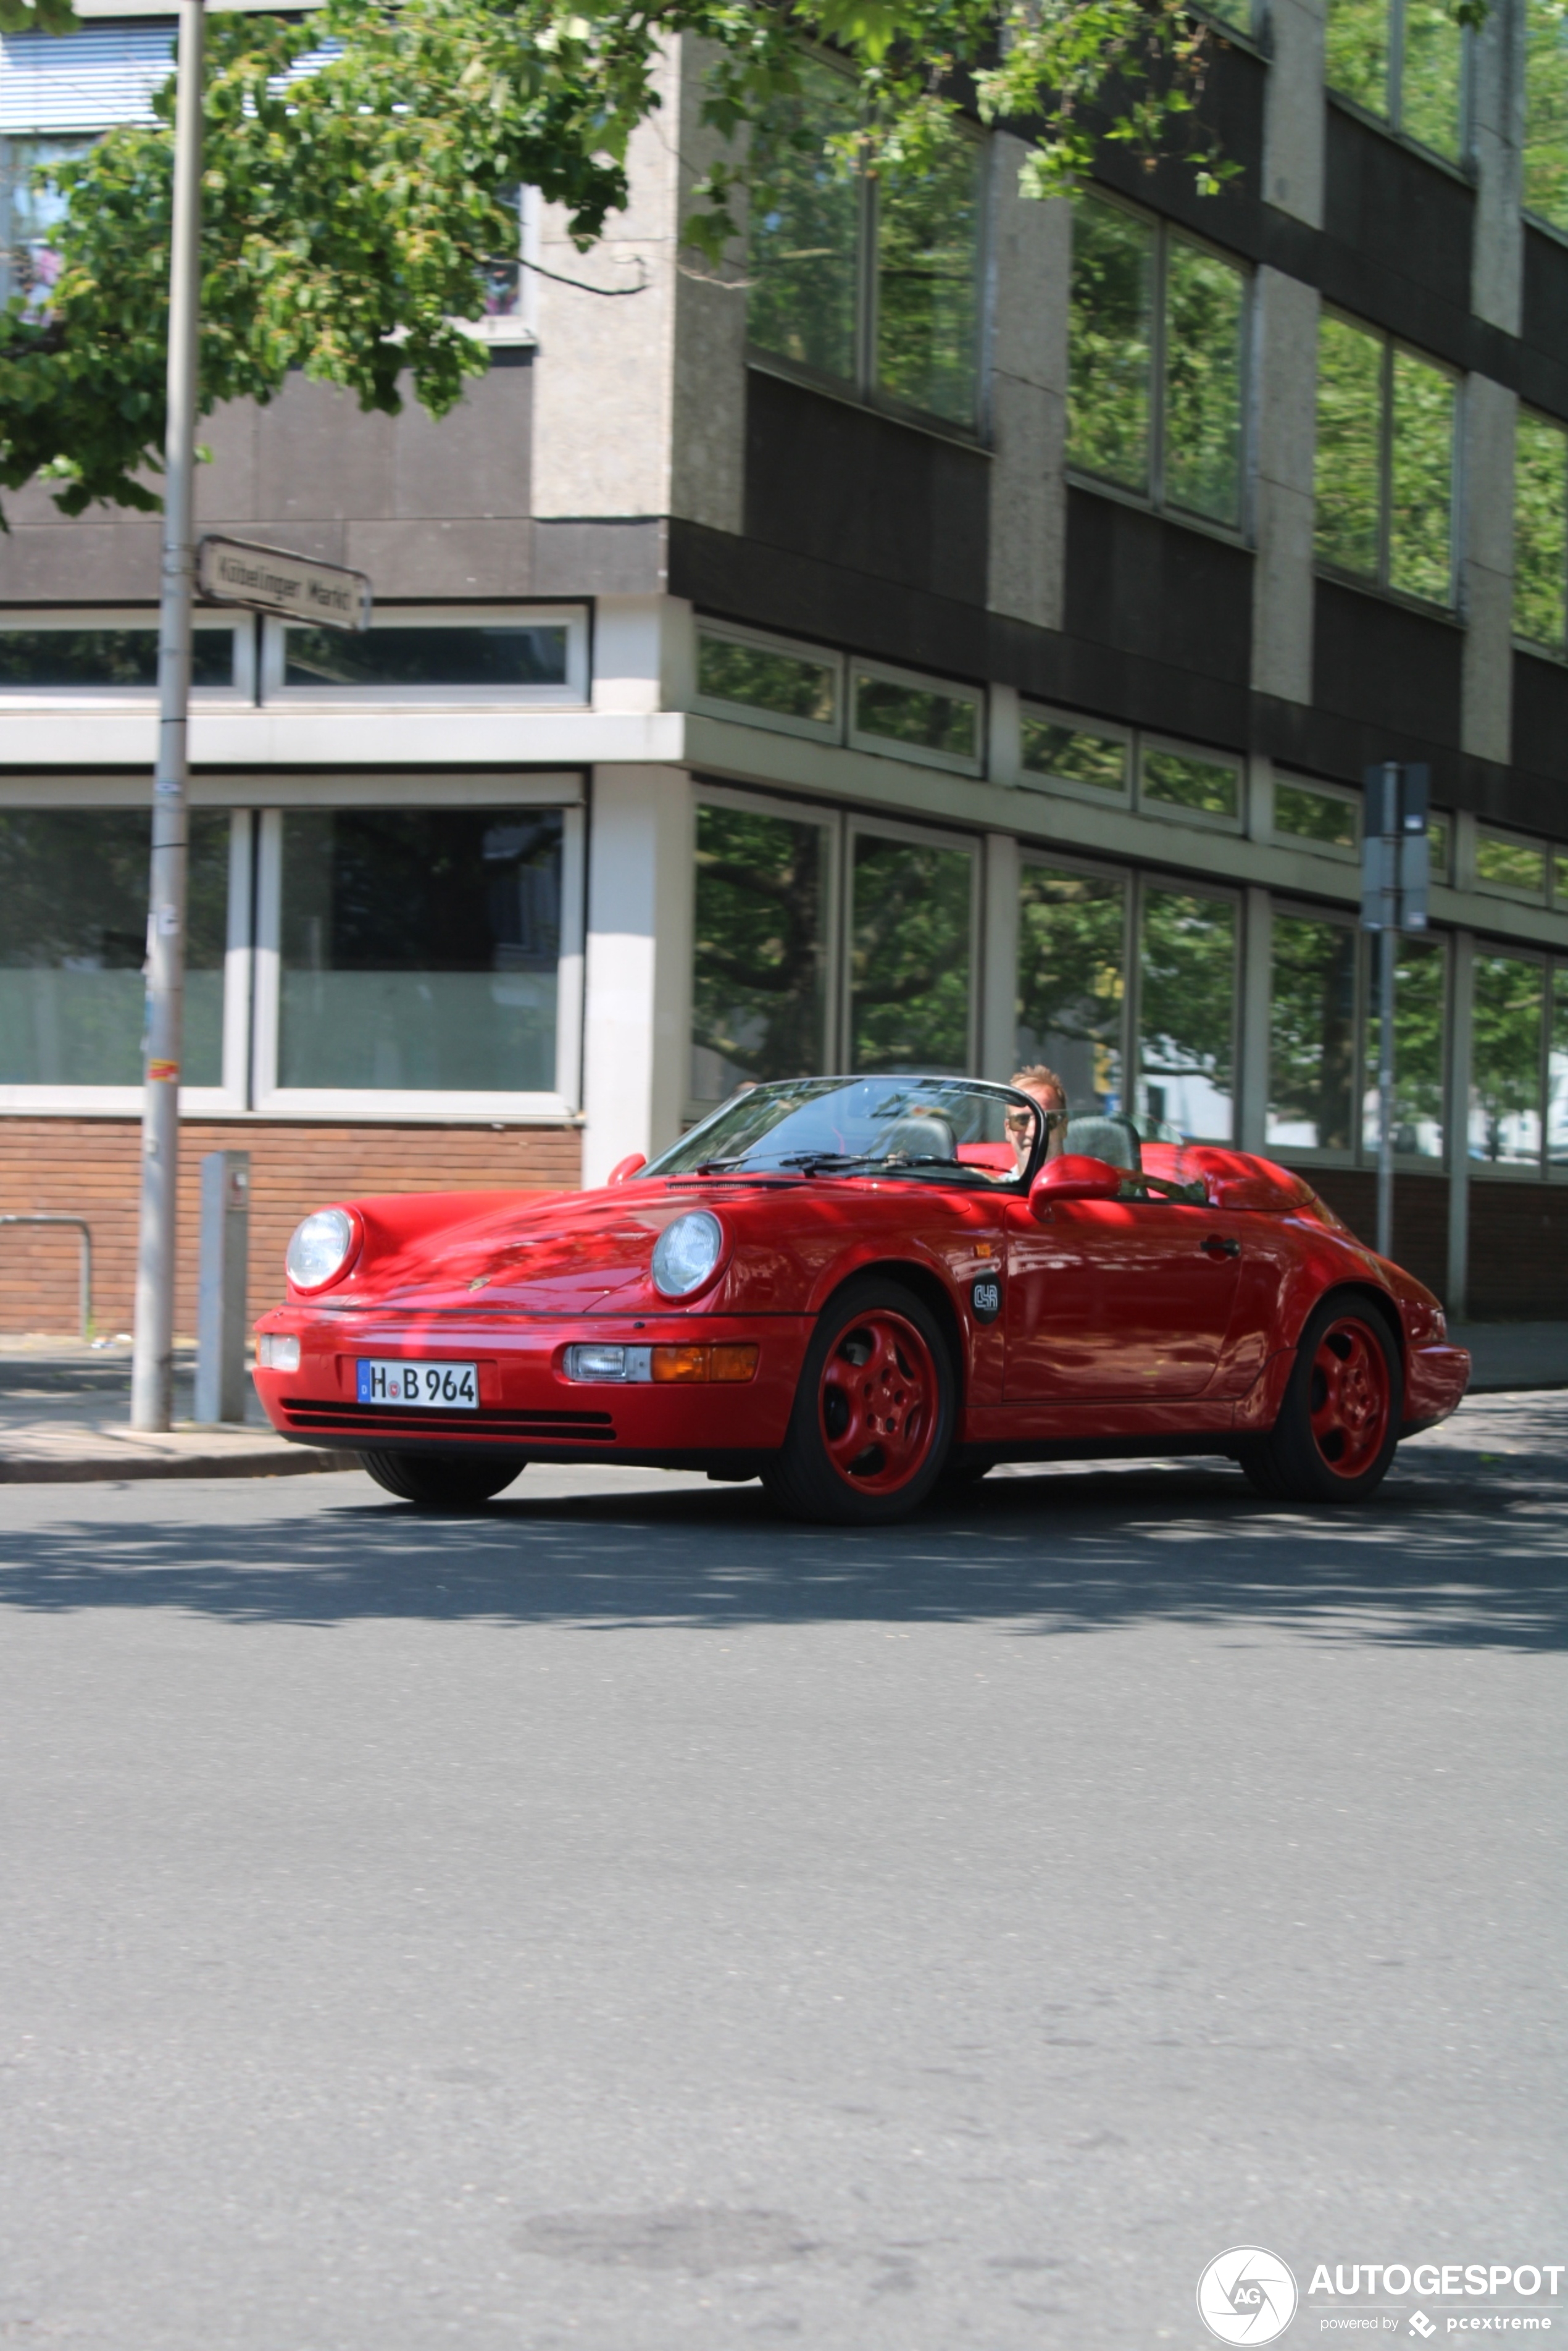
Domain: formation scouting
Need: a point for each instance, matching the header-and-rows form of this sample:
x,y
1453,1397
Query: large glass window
x,y
760,977
419,949
1157,394
503,654
1509,1011
31,207
872,281
911,951
1546,109
1072,948
1311,1036
1402,59
1420,1006
49,661
1539,531
1557,1072
1186,1013
73,935
1385,470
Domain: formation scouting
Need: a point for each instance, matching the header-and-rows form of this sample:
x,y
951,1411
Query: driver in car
x,y
1044,1087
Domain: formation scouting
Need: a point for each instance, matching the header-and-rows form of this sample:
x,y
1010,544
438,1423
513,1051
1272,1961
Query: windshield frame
x,y
962,1177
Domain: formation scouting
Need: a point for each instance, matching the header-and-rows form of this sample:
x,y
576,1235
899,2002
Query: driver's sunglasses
x,y
1022,1119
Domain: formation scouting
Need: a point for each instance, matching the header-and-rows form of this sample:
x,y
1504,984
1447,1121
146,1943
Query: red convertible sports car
x,y
859,1289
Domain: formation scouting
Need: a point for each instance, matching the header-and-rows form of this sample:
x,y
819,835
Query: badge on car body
x,y
986,1298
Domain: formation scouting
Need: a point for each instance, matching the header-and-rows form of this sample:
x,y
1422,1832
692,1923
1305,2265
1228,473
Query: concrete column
x,y
998,957
636,1018
1028,264
640,385
1460,1031
1284,398
1486,568
1497,139
1252,1044
1293,108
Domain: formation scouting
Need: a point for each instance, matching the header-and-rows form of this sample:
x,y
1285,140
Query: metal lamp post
x,y
152,1362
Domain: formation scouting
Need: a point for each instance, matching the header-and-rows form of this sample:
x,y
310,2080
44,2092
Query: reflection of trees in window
x,y
1557,1070
1509,1005
1385,463
917,715
1402,59
1540,529
909,957
73,934
764,678
1311,1035
758,979
1154,377
821,232
1204,786
33,204
1187,980
1071,982
1546,109
1420,972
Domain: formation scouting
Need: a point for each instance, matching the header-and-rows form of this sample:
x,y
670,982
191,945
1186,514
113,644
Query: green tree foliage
x,y
347,214
757,968
1312,1041
909,957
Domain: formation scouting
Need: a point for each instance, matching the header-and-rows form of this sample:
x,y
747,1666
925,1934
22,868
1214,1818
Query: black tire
x,y
439,1482
960,1480
1339,1423
874,1414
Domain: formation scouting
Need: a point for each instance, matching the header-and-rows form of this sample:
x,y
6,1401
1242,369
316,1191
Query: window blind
x,y
82,81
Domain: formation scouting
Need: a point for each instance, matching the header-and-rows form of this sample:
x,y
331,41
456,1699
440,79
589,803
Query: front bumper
x,y
1435,1378
527,1405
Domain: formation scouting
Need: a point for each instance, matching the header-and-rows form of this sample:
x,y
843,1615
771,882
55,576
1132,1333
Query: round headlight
x,y
686,1252
319,1248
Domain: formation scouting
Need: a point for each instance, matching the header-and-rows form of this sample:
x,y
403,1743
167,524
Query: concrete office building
x,y
955,632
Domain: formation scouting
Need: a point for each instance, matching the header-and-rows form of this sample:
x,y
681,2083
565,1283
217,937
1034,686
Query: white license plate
x,y
453,1387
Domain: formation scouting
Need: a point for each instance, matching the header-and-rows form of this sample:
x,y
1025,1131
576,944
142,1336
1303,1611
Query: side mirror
x,y
624,1169
1074,1177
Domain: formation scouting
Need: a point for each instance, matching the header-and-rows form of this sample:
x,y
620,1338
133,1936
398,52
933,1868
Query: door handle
x,y
1220,1245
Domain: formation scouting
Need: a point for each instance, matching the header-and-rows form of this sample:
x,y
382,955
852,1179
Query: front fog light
x,y
278,1351
686,1253
319,1248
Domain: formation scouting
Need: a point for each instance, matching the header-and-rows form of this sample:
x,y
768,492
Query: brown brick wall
x,y
1519,1237
90,1168
1420,1216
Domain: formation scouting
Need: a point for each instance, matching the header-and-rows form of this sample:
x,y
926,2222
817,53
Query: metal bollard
x,y
221,1295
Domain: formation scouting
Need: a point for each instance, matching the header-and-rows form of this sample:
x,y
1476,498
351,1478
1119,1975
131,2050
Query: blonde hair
x,y
1037,1074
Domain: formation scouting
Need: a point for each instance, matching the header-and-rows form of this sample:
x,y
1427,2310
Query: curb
x,y
290,1461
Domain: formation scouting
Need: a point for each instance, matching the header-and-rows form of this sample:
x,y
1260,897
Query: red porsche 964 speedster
x,y
858,1288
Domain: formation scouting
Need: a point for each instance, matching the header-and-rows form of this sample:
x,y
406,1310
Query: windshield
x,y
954,1129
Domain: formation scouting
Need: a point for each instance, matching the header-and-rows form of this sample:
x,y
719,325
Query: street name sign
x,y
264,580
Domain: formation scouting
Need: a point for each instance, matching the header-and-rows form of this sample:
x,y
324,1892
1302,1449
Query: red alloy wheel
x,y
878,1403
1348,1398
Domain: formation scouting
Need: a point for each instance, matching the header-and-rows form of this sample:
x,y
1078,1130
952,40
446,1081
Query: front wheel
x,y
874,1414
441,1482
1339,1423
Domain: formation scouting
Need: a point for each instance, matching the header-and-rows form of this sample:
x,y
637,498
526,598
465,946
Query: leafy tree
x,y
347,214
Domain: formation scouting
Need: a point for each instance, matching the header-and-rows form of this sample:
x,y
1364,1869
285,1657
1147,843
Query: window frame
x,y
1035,779
351,1105
1536,843
1169,811
746,713
1378,583
1154,500
828,821
57,621
1294,1155
1295,781
574,694
917,754
861,389
227,1099
1391,123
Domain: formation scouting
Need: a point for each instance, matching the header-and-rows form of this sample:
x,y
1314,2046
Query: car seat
x,y
1102,1136
920,1134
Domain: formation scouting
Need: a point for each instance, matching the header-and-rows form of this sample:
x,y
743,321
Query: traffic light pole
x,y
1394,879
152,1361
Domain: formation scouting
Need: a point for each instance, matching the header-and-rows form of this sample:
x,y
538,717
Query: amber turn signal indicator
x,y
731,1359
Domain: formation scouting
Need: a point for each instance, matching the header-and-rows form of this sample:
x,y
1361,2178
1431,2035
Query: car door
x,y
1118,1300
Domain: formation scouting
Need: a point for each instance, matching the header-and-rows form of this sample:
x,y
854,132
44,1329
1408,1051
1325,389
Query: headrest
x,y
922,1135
1101,1136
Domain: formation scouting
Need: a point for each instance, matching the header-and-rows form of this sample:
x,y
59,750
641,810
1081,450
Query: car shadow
x,y
1462,1547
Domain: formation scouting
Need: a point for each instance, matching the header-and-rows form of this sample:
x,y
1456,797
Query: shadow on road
x,y
1463,1547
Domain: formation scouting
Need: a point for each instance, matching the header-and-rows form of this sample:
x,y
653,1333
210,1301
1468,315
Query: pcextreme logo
x,y
1247,2295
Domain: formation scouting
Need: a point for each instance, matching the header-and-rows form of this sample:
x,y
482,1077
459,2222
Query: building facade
x,y
952,633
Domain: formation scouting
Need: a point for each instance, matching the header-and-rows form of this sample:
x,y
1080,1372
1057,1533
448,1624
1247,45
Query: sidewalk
x,y
65,1417
65,1410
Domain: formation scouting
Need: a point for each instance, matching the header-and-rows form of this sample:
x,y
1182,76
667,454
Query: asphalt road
x,y
624,1921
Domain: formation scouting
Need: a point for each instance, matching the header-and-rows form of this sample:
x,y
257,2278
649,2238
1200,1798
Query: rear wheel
x,y
874,1413
440,1482
1339,1423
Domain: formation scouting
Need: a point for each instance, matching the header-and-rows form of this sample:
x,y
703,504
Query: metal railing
x,y
83,1228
